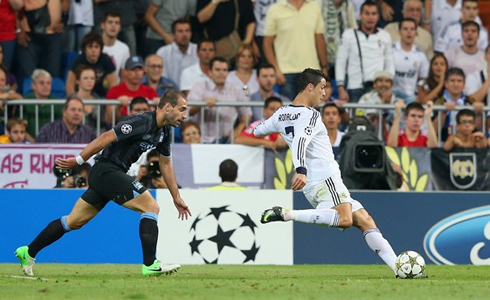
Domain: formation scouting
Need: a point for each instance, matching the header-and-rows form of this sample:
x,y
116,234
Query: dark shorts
x,y
107,182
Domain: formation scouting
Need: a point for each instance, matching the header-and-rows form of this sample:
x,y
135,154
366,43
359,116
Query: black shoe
x,y
272,215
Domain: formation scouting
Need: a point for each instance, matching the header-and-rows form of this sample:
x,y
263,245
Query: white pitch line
x,y
25,277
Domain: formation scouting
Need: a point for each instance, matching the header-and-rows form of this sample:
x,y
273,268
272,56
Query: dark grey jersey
x,y
136,135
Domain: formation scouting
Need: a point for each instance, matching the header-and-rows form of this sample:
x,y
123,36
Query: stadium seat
x,y
57,90
67,59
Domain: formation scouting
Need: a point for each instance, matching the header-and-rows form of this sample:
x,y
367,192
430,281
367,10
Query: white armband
x,y
79,160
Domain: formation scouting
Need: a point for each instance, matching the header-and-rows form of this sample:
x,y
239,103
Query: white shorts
x,y
329,193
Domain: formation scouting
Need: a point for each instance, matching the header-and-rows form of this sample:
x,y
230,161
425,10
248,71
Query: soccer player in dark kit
x,y
108,181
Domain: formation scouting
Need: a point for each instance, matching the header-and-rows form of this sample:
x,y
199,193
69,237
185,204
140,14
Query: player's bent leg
x,y
374,238
144,203
80,215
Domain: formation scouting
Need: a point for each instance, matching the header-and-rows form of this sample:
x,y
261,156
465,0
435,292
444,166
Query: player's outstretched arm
x,y
94,147
168,174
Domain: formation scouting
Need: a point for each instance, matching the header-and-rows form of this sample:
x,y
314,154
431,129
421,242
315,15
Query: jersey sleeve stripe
x,y
301,151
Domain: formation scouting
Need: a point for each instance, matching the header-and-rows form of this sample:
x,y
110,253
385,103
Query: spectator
x,y
138,105
467,57
85,78
6,91
191,132
199,71
221,20
154,65
160,15
39,38
411,64
128,18
73,178
260,13
433,86
443,13
266,78
68,130
245,75
41,83
391,11
338,15
131,87
114,48
181,53
80,22
412,9
149,174
272,141
92,56
218,91
412,136
375,54
294,41
451,35
331,118
466,137
453,96
228,171
16,132
478,83
11,81
8,34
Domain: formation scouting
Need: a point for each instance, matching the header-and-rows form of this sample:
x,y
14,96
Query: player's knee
x,y
154,208
76,224
345,221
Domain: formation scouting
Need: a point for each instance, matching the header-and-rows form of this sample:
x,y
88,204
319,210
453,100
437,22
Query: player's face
x,y
92,52
469,11
413,10
191,135
267,79
112,26
206,52
17,133
42,87
470,36
154,67
466,125
414,119
408,32
87,80
331,117
176,114
182,35
271,108
369,17
140,108
455,85
73,114
319,92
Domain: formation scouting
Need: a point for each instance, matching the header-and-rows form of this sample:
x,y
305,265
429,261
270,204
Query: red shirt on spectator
x,y
122,90
403,141
7,22
249,132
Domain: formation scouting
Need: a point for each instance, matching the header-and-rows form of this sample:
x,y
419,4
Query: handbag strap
x,y
237,15
360,55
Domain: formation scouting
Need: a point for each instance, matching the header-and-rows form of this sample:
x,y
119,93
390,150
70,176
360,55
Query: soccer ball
x,y
410,264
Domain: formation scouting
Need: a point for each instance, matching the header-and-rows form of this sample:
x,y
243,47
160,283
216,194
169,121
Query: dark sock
x,y
149,237
53,232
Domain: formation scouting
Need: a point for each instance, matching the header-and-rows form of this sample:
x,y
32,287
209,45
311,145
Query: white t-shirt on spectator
x,y
442,15
119,53
410,66
469,63
451,36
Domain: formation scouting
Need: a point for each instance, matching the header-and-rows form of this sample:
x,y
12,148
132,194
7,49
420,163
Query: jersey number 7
x,y
290,129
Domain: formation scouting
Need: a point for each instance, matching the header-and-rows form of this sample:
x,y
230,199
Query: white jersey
x,y
409,68
451,36
306,135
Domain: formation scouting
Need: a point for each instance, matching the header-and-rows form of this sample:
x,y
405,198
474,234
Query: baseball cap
x,y
134,62
384,74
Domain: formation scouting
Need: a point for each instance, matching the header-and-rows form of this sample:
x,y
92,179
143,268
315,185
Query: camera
x,y
369,157
154,169
80,181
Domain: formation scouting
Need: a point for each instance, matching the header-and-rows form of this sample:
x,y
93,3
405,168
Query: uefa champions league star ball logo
x,y
126,128
224,236
308,130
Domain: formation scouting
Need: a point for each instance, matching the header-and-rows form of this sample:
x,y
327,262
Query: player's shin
x,y
325,216
381,246
149,236
53,232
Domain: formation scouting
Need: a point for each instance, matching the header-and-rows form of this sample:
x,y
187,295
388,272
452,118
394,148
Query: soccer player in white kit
x,y
317,172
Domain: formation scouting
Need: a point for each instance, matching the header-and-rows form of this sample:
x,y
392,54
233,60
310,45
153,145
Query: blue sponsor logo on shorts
x,y
463,238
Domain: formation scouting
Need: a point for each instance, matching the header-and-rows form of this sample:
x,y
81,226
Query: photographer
x,y
150,175
73,178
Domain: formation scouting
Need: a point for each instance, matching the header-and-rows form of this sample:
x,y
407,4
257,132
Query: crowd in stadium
x,y
412,54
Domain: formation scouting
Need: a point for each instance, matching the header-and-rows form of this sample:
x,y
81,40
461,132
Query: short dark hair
x,y
465,112
464,1
264,65
470,23
406,20
199,45
152,153
330,104
271,99
413,106
228,170
368,3
180,21
111,13
90,38
138,100
312,76
79,70
171,97
455,72
70,98
219,59
190,123
16,121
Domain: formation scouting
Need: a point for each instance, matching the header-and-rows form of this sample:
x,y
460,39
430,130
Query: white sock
x,y
325,216
381,246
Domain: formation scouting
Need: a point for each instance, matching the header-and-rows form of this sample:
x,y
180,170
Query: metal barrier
x,y
104,102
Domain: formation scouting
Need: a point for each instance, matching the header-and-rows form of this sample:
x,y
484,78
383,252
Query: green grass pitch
x,y
108,281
